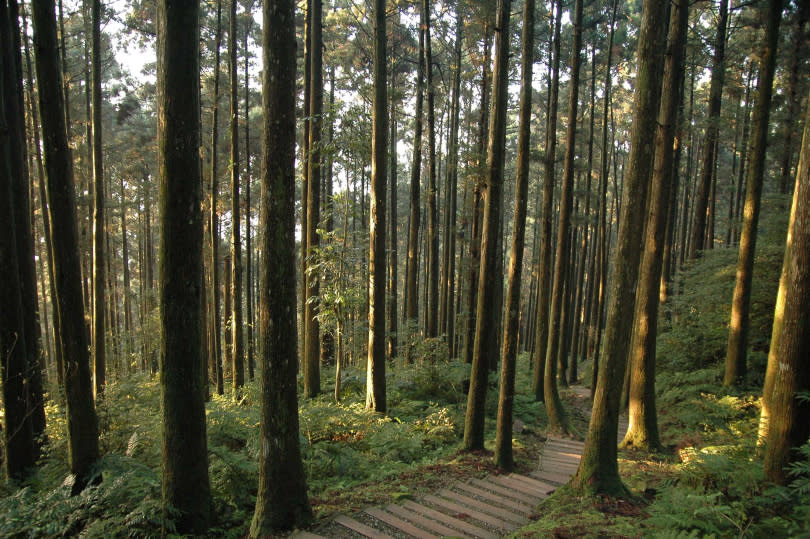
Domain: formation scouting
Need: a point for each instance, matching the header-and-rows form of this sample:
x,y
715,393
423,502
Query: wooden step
x,y
551,460
398,523
416,518
360,528
518,486
514,505
458,509
498,512
539,485
457,523
548,476
563,453
503,491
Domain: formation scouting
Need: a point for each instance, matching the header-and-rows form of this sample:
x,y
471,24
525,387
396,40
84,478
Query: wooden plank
x,y
565,453
457,523
448,505
543,487
498,512
523,488
360,528
497,489
506,502
416,518
398,523
551,477
551,459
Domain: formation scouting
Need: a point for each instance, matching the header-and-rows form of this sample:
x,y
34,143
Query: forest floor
x,y
461,467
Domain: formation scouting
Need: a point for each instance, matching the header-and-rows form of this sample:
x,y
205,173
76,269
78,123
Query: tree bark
x,y
312,330
82,421
432,305
504,457
741,303
375,375
99,352
487,311
643,425
546,218
412,267
182,368
20,454
598,470
214,224
238,343
785,420
282,501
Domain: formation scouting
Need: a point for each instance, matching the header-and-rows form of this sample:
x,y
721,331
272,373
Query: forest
x,y
267,267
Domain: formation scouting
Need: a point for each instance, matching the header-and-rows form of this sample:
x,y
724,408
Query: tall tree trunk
x,y
597,309
504,457
375,374
598,470
785,420
20,188
182,368
82,422
556,414
391,315
477,201
412,267
643,426
248,206
741,303
238,348
546,217
487,311
449,253
712,132
99,355
432,240
20,450
282,501
312,330
214,223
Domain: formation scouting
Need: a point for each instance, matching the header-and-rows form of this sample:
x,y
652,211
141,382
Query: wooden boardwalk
x,y
486,508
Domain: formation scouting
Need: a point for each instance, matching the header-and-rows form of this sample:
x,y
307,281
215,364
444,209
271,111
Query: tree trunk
x,y
82,422
432,240
281,502
375,378
598,470
487,311
214,224
546,218
785,420
391,315
477,202
643,425
449,253
248,243
312,330
712,131
796,59
20,450
556,415
99,353
238,348
741,303
412,267
504,457
182,368
20,188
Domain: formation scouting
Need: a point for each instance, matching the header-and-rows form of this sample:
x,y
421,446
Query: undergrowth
x,y
349,453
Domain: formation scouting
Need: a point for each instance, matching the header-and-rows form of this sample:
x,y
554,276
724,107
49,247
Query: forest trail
x,y
487,508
